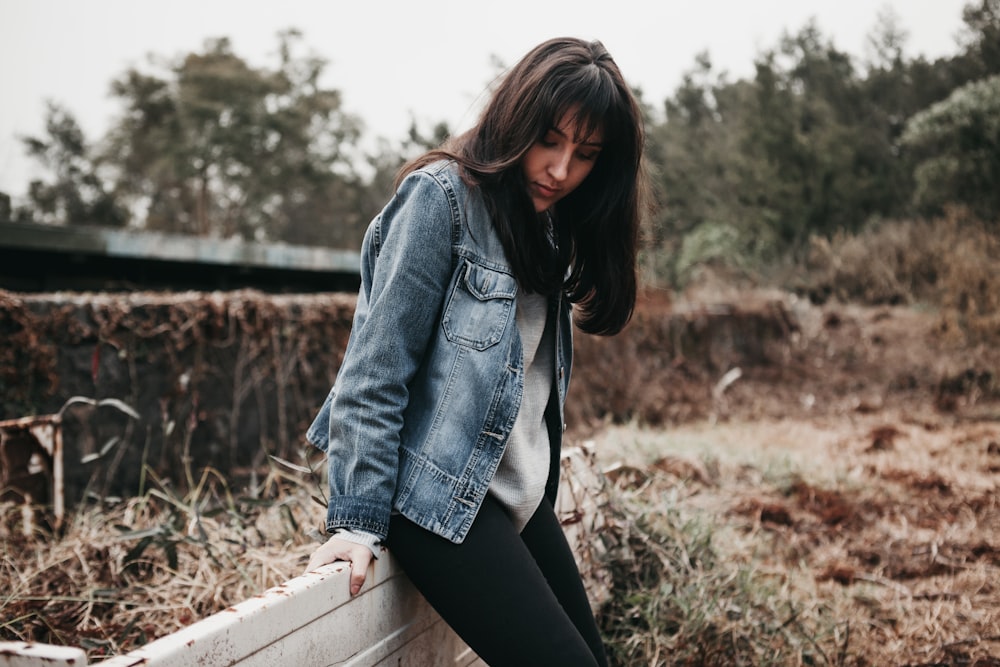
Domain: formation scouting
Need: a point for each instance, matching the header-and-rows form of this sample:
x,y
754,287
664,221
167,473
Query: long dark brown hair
x,y
597,225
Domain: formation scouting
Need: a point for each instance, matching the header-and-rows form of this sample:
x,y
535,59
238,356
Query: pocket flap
x,y
485,284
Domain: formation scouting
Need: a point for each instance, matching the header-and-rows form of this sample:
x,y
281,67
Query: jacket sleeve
x,y
406,270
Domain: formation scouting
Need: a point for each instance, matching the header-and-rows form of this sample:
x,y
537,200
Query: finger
x,y
316,561
328,552
359,570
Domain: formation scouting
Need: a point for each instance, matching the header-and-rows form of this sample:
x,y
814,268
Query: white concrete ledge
x,y
308,620
25,654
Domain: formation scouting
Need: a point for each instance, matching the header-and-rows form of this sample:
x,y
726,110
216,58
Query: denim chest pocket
x,y
479,306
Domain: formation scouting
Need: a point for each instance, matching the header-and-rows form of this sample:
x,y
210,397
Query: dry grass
x,y
949,262
128,572
870,541
790,543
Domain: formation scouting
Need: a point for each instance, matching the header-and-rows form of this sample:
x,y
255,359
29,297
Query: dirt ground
x,y
867,463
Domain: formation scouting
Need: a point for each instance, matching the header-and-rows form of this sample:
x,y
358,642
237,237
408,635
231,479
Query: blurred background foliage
x,y
756,179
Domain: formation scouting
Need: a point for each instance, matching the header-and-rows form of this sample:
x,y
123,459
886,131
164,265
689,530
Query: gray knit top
x,y
519,482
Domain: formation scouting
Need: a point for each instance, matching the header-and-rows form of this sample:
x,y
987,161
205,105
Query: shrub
x,y
947,262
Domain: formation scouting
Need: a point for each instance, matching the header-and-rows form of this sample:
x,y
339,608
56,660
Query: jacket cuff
x,y
358,514
359,537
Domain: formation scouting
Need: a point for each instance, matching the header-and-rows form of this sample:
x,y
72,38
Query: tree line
x,y
816,144
745,171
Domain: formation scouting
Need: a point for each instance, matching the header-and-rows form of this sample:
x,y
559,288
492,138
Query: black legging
x,y
516,600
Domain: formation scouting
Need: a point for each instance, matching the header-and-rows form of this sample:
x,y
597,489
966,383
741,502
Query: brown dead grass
x,y
129,572
902,543
855,478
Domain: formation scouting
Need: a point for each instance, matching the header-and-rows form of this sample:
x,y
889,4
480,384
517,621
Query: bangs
x,y
591,102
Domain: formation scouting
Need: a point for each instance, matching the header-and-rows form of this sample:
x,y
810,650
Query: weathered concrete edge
x,y
176,247
309,620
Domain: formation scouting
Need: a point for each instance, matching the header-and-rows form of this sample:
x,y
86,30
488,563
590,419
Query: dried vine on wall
x,y
219,378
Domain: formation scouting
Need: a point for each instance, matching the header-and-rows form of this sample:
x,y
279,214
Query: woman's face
x,y
556,164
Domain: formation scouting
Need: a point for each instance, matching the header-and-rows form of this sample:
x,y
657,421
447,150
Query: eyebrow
x,y
592,144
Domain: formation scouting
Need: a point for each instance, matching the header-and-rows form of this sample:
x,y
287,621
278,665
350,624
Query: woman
x,y
444,426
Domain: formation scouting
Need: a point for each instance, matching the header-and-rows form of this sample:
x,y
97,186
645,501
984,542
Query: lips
x,y
545,191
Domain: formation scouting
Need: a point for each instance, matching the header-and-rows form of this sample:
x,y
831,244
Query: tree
x,y
824,137
387,160
750,170
700,171
6,207
218,147
982,37
957,144
77,195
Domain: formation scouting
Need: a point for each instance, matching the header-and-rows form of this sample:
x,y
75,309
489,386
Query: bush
x,y
947,262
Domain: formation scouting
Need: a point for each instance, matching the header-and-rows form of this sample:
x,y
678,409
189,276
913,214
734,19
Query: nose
x,y
559,166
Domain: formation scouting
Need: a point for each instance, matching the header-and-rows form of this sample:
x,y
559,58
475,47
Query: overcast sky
x,y
393,61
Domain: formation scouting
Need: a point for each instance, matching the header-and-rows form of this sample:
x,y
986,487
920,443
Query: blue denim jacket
x,y
432,377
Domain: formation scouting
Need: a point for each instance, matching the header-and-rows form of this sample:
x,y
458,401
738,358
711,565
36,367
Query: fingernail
x,y
355,589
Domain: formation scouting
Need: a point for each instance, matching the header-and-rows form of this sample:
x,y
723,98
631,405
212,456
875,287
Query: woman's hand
x,y
336,549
